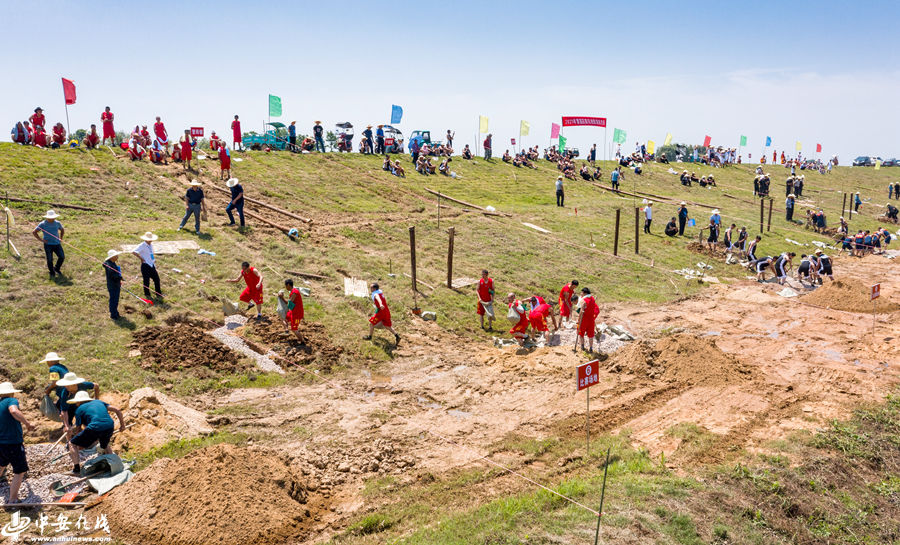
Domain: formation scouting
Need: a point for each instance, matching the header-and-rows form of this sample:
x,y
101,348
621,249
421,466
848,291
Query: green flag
x,y
619,136
274,106
562,143
743,140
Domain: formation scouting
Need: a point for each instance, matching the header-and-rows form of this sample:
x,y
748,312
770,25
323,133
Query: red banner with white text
x,y
580,121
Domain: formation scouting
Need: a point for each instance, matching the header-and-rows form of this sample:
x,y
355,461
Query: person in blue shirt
x,y
71,384
12,443
57,371
292,135
237,200
113,282
682,218
379,140
92,423
856,202
52,233
614,178
367,139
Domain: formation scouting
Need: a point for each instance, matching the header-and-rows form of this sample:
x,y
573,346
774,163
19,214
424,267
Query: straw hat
x,y
649,203
791,196
70,379
80,397
818,252
51,357
195,183
317,122
112,253
231,182
7,388
149,237
682,203
559,177
368,126
715,211
51,215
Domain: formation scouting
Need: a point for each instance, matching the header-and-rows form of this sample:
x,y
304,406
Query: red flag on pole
x,y
706,141
818,148
69,91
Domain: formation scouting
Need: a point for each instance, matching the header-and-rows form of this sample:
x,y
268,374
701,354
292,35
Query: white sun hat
x,y
112,253
195,183
80,397
231,182
70,379
149,237
51,215
7,388
52,356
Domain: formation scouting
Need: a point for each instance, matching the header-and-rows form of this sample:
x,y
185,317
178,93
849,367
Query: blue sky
x,y
822,71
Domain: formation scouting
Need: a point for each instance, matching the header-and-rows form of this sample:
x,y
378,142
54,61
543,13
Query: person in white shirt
x,y
144,252
560,196
648,216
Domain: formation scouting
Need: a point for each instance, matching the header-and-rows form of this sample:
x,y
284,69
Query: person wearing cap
x,y
682,217
68,387
237,200
713,239
379,139
144,252
856,202
196,205
109,131
318,131
224,163
648,216
92,423
236,134
294,304
12,443
253,293
52,233
587,318
890,213
382,316
113,281
789,207
560,194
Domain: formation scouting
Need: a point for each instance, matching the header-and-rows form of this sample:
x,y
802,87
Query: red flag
x,y
512,141
706,141
69,91
818,148
573,121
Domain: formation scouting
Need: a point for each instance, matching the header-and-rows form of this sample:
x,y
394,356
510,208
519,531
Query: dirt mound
x,y
318,347
849,296
159,419
184,346
681,358
221,494
703,249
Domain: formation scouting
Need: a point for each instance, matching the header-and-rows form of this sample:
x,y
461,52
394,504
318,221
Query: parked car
x,y
893,162
422,137
864,161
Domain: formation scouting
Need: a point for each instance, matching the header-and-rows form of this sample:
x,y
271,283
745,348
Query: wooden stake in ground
x,y
637,228
616,239
412,257
762,211
452,232
844,205
769,225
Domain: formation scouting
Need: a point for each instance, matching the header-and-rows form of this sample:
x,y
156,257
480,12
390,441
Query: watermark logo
x,y
18,524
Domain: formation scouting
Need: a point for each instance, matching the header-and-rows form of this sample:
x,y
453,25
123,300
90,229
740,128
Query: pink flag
x,y
512,141
554,130
706,141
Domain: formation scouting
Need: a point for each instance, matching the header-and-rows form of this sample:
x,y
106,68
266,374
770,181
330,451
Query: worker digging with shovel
x,y
12,447
92,423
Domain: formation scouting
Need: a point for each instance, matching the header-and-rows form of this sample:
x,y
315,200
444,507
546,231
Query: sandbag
x,y
229,308
282,308
48,409
514,315
488,309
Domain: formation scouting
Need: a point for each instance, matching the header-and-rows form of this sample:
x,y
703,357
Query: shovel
x,y
59,489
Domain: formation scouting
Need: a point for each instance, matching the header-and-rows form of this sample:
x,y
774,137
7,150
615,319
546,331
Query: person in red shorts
x,y
382,316
186,149
236,133
520,330
538,317
485,304
224,163
108,130
566,295
587,322
294,305
215,141
92,139
253,293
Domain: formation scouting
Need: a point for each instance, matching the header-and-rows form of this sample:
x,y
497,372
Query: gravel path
x,y
234,342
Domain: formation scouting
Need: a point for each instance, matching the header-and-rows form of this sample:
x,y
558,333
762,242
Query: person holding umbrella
x,y
12,444
92,423
113,281
53,233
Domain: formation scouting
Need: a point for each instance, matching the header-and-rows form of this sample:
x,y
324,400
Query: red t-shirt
x,y
565,295
485,287
251,277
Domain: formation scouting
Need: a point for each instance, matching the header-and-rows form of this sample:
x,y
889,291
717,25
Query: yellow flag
x,y
482,124
799,146
877,165
523,128
668,139
651,146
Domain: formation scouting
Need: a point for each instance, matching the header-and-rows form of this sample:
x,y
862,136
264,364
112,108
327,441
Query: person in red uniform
x,y
109,131
253,293
782,157
382,316
162,135
59,135
540,311
145,136
587,322
485,304
224,162
294,304
92,138
40,137
520,330
774,157
135,150
214,141
37,118
236,133
186,149
566,295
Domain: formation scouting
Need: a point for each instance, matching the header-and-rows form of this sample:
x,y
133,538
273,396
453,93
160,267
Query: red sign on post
x,y
196,131
876,292
588,374
578,121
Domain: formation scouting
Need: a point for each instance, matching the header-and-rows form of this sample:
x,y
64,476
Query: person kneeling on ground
x,y
398,170
92,423
382,316
12,447
467,153
386,164
891,213
672,227
506,157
